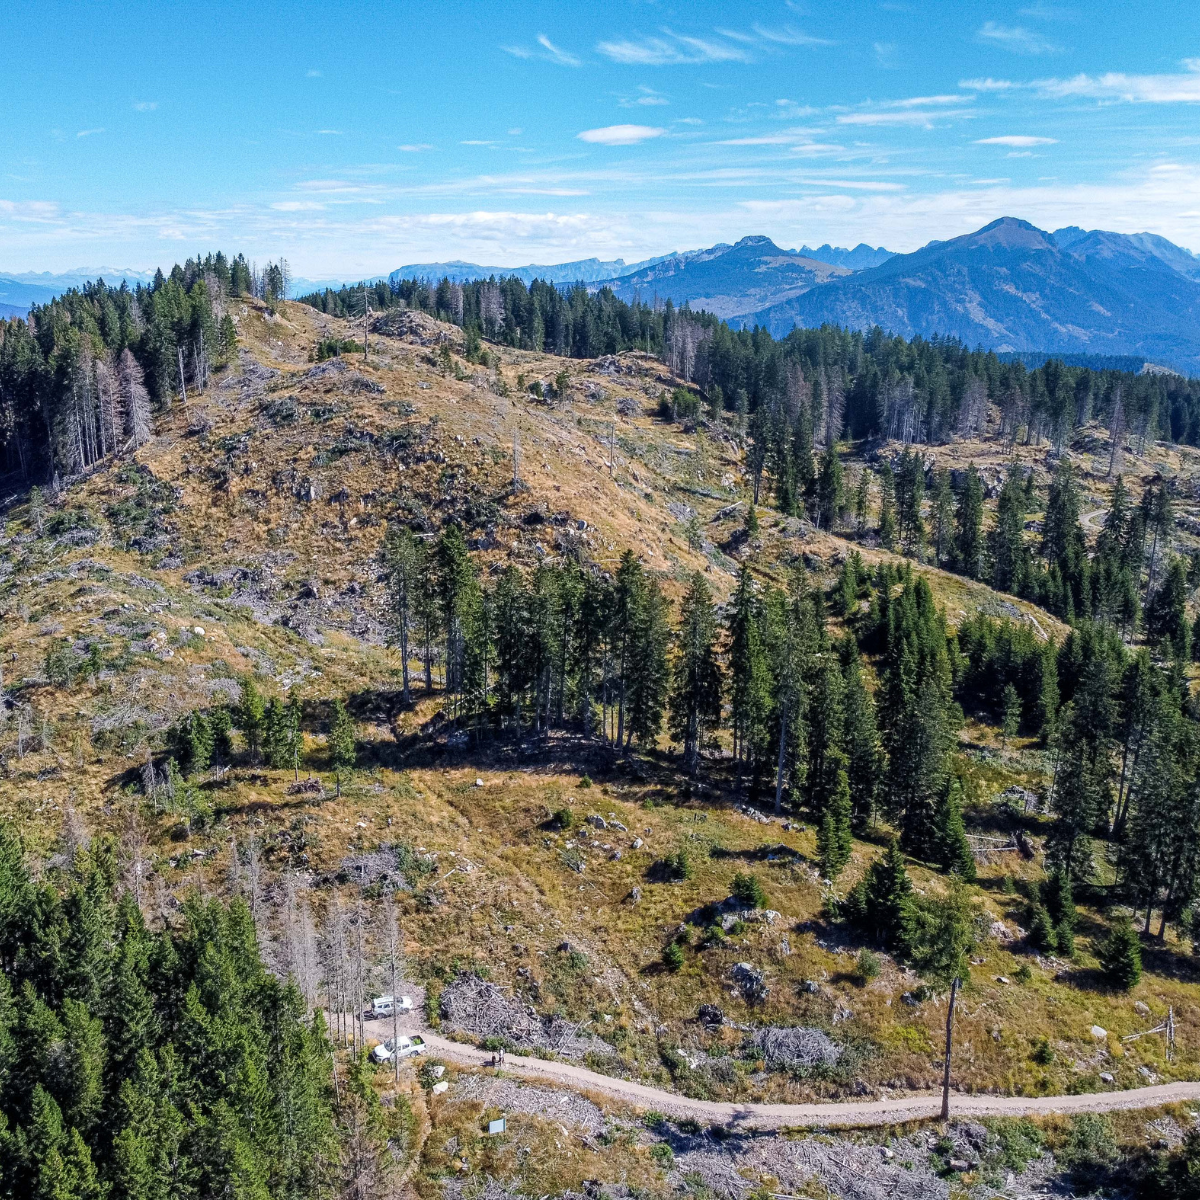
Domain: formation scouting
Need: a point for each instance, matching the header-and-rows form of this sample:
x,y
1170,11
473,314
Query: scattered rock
x,y
1099,1033
1106,1077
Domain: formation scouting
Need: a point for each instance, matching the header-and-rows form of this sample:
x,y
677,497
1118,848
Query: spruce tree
x,y
1121,956
1011,720
887,507
648,667
1042,934
405,562
953,850
696,690
834,841
251,713
861,738
830,488
343,748
880,904
943,517
968,532
749,676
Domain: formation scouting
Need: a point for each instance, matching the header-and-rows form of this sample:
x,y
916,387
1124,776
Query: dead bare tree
x,y
135,399
393,962
133,849
1116,434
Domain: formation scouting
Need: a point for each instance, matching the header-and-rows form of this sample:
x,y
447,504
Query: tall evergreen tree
x,y
968,526
696,691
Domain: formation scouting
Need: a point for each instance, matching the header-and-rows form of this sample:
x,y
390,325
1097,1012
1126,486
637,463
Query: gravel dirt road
x,y
853,1113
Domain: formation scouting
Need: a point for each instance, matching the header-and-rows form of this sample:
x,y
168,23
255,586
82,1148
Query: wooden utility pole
x,y
366,324
949,1039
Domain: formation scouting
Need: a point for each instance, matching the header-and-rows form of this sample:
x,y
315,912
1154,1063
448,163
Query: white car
x,y
386,1006
402,1047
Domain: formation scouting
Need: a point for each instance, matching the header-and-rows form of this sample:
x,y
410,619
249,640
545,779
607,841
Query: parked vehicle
x,y
385,1006
402,1047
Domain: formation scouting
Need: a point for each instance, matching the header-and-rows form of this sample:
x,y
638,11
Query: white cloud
x,y
515,132
414,147
298,206
476,142
789,35
621,135
313,74
549,52
672,49
1182,88
647,97
1016,38
1018,141
908,116
145,105
886,54
329,133
554,54
923,101
988,85
83,133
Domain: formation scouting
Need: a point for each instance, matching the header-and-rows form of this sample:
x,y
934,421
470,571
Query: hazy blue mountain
x,y
859,259
586,270
8,311
727,279
22,289
1011,286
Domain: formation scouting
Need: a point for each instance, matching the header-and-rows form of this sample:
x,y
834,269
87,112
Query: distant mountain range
x,y
585,270
1013,287
20,290
727,280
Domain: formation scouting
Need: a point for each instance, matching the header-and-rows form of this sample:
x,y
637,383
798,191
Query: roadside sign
x,y
497,1126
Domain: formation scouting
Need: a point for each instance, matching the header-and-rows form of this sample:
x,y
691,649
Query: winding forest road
x,y
852,1113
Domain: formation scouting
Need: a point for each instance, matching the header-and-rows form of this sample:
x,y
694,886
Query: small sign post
x,y
498,1126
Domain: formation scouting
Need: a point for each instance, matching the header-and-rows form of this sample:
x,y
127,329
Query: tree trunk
x,y
949,1040
783,725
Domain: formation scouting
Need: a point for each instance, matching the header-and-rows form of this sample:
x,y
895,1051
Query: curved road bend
x,y
893,1111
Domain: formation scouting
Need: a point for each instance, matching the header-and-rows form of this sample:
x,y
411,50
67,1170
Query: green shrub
x,y
1023,974
677,866
663,1155
672,957
564,819
1121,956
867,964
749,890
1043,1053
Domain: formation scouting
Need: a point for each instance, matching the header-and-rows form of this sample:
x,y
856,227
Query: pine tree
x,y
458,597
950,838
405,561
943,516
968,534
251,716
880,904
834,841
1042,934
275,734
864,759
944,936
749,676
862,499
887,507
343,749
1012,713
830,488
649,668
1121,956
696,691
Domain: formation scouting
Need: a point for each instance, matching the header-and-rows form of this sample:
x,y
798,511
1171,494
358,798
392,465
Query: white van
x,y
402,1047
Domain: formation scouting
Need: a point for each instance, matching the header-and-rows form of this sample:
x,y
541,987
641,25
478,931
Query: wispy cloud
x,y
789,35
548,52
1016,38
313,74
647,97
1050,12
145,105
329,133
1182,87
673,49
83,133
414,147
922,118
621,135
1017,141
886,54
1149,89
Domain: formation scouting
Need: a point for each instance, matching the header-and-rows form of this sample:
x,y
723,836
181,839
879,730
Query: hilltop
x,y
243,542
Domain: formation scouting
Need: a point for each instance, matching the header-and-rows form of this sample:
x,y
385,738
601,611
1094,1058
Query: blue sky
x,y
354,137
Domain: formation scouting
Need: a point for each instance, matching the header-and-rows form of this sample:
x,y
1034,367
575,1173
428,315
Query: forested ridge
x,y
812,387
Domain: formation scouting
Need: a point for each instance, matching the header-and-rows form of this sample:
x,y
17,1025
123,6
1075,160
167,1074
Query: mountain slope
x,y
728,279
1011,286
